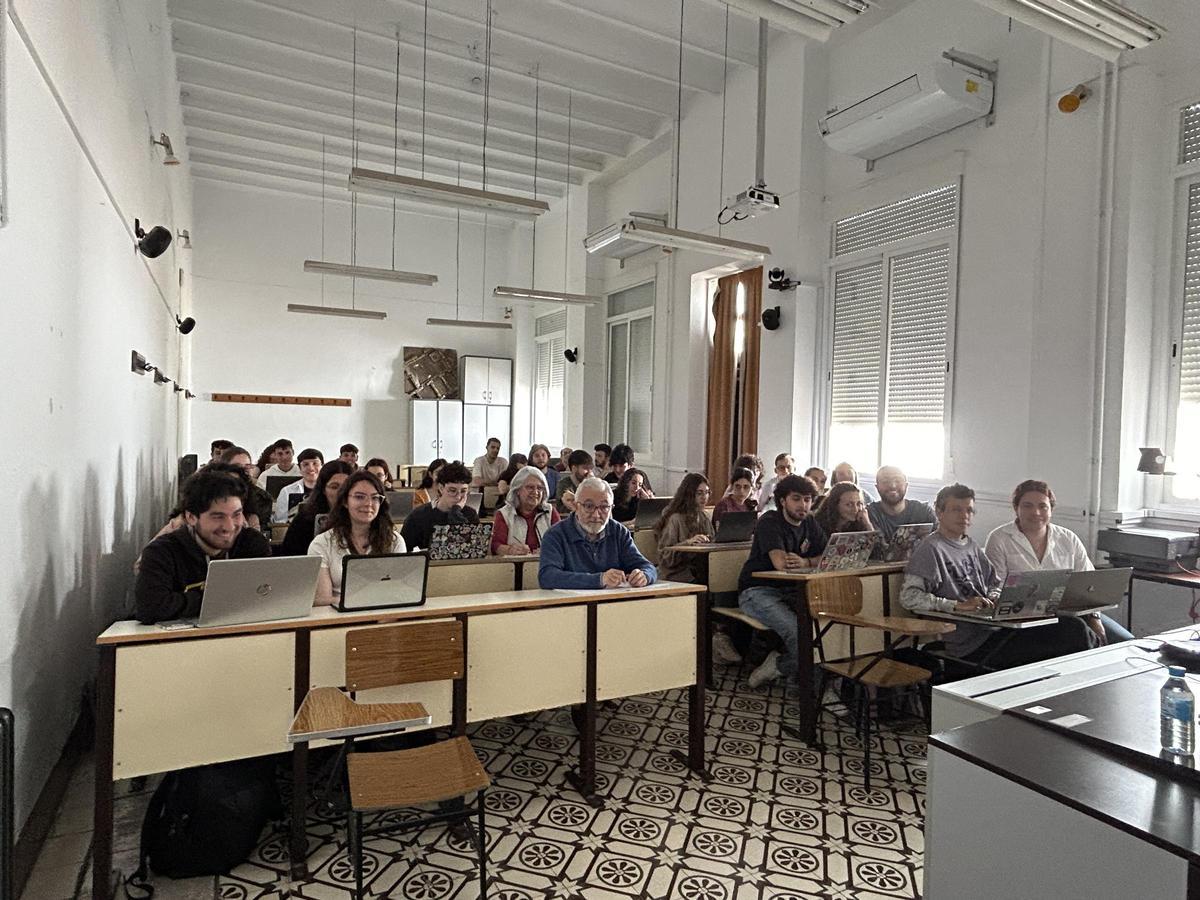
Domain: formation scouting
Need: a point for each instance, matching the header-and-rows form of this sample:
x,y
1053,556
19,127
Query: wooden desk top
x,y
966,619
1179,579
710,547
515,560
131,632
812,574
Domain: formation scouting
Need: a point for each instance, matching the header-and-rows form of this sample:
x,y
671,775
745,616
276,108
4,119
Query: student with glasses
x,y
450,507
359,525
590,550
521,523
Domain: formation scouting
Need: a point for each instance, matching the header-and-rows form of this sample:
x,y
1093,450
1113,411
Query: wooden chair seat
x,y
733,612
423,775
895,624
885,672
327,712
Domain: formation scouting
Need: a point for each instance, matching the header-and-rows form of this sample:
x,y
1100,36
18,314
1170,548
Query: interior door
x,y
500,382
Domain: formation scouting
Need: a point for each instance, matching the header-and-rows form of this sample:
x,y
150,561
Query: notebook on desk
x,y
735,527
1027,595
386,581
244,591
1094,591
460,541
904,541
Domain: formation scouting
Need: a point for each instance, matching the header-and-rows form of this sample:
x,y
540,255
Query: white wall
x,y
250,246
91,450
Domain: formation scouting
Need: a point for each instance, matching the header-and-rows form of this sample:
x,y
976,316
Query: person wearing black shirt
x,y
449,508
174,566
633,486
620,460
319,502
786,539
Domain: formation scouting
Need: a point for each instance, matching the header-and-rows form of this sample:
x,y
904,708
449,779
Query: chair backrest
x,y
416,475
386,655
491,494
646,540
842,595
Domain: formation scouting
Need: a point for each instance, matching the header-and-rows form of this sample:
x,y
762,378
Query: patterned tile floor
x,y
778,821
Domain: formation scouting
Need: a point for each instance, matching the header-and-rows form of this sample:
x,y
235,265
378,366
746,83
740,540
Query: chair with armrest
x,y
442,772
839,601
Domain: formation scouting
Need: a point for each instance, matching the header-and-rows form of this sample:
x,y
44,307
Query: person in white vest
x,y
528,514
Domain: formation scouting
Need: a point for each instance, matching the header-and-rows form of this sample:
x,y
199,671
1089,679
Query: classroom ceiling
x,y
265,82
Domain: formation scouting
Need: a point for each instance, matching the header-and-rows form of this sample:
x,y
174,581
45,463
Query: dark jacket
x,y
170,583
418,527
567,558
299,534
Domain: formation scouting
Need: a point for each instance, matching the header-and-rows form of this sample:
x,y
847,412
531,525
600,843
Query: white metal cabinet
x,y
482,422
500,382
437,430
487,380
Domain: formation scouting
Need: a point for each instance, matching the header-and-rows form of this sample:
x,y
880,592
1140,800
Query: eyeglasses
x,y
703,492
592,508
455,490
368,498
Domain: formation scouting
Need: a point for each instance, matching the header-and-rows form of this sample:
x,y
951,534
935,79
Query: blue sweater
x,y
569,560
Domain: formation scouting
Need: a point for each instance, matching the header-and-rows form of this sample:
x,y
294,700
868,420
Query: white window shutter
x,y
857,344
919,295
1189,134
1189,350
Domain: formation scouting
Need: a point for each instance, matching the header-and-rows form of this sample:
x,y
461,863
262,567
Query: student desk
x,y
448,577
807,730
1174,579
172,699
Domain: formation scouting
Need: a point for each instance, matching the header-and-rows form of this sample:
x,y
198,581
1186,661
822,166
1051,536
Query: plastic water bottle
x,y
1177,714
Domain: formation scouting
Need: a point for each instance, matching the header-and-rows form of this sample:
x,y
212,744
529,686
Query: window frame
x,y
951,237
628,318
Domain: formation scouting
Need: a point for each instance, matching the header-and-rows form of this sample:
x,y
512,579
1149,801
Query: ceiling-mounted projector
x,y
753,201
917,107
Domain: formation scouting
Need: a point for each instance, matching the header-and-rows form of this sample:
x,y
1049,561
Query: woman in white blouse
x,y
358,525
1032,542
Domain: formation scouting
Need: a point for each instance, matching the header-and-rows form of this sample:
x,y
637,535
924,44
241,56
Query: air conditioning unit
x,y
920,106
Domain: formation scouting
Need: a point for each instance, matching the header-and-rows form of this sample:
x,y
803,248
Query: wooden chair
x,y
838,601
386,656
646,540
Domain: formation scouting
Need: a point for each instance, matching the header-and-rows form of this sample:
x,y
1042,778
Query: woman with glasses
x,y
359,525
318,503
453,484
520,523
632,486
684,521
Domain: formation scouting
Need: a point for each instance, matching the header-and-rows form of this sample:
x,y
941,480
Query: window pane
x,y
549,405
857,358
919,296
1187,416
909,218
641,373
631,300
1189,134
618,354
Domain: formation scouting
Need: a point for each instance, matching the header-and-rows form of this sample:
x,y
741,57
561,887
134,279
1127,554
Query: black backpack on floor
x,y
205,821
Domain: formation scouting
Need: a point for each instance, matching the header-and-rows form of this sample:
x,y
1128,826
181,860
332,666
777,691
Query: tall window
x,y
630,365
549,390
1185,352
893,275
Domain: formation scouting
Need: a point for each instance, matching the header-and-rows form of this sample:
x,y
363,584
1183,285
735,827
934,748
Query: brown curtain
x,y
732,425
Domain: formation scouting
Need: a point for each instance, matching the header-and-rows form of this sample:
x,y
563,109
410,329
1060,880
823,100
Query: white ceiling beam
x,y
207,73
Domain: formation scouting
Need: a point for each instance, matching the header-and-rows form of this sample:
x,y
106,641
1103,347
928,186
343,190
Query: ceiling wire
x,y
424,81
678,118
396,143
537,91
567,217
487,91
354,158
724,97
323,256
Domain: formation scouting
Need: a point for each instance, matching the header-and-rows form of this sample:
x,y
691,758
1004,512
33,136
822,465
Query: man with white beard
x,y
589,550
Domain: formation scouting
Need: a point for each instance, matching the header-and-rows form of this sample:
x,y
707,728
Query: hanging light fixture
x,y
353,270
1101,27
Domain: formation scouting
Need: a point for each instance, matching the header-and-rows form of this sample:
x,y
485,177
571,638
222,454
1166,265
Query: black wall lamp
x,y
571,355
152,243
185,326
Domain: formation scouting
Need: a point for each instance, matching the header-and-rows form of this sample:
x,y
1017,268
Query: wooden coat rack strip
x,y
270,398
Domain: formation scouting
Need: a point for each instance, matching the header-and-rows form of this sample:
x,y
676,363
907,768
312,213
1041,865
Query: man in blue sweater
x,y
588,550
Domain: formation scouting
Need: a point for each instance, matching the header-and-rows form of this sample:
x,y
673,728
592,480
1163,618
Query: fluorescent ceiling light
x,y
371,181
328,268
630,236
814,19
469,323
1101,27
337,311
516,293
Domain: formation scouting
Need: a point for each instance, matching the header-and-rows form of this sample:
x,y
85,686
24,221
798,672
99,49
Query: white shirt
x,y
1009,551
330,549
489,472
766,497
275,470
282,508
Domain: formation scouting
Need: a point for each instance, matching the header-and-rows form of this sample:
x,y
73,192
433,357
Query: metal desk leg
x,y
1129,609
697,712
806,726
298,840
584,778
102,822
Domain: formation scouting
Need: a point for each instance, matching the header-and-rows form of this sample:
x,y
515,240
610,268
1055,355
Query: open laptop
x,y
904,541
386,581
847,550
460,541
276,483
1027,595
734,527
1094,591
649,511
400,503
241,591
475,500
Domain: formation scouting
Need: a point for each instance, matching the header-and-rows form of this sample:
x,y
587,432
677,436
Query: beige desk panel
x,y
520,662
724,567
170,697
479,578
645,645
866,640
529,576
327,668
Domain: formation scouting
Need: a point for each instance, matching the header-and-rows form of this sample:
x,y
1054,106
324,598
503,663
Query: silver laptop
x,y
1027,595
475,500
383,582
904,541
649,511
1094,591
847,550
400,503
242,591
